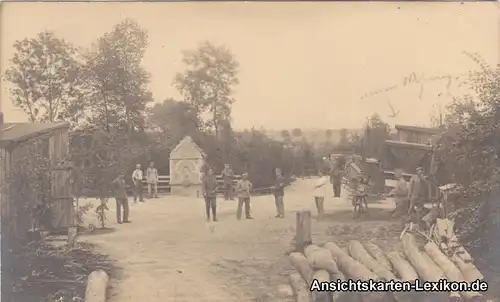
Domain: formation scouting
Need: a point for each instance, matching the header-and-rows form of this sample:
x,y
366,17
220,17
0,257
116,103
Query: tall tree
x,y
45,79
118,82
176,119
208,83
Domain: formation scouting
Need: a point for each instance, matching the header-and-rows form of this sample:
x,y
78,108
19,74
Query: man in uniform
x,y
419,193
209,190
152,179
336,178
227,177
279,193
120,189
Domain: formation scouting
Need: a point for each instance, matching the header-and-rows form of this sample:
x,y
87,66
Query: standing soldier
x,y
243,188
120,189
279,193
209,190
336,178
400,193
152,179
227,177
137,178
419,193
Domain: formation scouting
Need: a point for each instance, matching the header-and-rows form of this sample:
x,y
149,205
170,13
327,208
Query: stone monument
x,y
186,162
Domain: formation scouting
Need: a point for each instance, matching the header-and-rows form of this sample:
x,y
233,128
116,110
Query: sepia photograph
x,y
250,151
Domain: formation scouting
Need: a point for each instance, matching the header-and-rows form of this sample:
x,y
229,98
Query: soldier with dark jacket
x,y
279,193
209,190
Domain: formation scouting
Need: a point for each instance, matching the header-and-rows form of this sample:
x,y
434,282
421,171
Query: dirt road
x,y
170,253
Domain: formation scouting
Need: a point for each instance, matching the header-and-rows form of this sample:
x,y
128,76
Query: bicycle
x,y
360,203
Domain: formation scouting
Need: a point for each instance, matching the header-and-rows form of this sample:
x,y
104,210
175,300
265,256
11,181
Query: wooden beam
x,y
303,236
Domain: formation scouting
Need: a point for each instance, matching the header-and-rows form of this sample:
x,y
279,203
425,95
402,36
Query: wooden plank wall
x,y
62,195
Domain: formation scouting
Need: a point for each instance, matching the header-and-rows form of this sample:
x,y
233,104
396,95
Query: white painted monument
x,y
186,162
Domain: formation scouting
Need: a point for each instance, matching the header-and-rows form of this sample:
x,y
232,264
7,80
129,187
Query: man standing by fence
x,y
137,178
243,188
279,193
120,189
227,177
209,190
152,179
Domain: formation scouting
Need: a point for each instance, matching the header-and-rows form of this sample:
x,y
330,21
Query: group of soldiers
x,y
243,190
410,197
120,189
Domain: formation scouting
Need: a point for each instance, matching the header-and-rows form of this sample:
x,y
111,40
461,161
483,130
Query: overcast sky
x,y
302,64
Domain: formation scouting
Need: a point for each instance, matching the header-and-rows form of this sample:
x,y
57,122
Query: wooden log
x,y
97,284
376,252
334,249
303,235
402,267
424,266
285,291
310,249
302,266
449,268
321,259
300,288
418,260
468,269
322,295
358,252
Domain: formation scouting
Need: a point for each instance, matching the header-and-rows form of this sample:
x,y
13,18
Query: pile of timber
x,y
358,261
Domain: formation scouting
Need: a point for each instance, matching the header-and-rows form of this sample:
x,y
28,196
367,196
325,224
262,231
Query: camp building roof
x,y
19,132
418,129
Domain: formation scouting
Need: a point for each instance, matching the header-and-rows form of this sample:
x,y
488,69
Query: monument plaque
x,y
186,160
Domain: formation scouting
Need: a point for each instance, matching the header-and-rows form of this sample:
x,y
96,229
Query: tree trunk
x,y
321,296
321,259
300,288
450,269
376,252
301,264
402,267
358,252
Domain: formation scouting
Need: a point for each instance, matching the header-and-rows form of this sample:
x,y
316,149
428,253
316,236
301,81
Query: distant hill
x,y
316,137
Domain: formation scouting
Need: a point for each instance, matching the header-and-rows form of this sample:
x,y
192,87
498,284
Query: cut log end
x,y
97,284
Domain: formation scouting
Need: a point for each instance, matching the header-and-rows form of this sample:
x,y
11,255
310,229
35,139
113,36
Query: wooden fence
x,y
164,185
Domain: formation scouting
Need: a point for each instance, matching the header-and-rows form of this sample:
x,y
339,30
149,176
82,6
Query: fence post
x,y
303,236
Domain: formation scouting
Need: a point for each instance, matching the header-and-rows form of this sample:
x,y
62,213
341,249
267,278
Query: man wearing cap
x,y
419,192
120,189
243,189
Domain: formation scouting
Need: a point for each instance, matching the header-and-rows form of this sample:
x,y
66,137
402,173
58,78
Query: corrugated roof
x,y
419,129
17,132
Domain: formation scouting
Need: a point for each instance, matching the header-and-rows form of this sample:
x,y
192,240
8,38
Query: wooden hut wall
x,y
62,199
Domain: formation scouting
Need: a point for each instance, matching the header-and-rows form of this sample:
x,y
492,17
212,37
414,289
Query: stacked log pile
x,y
358,261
